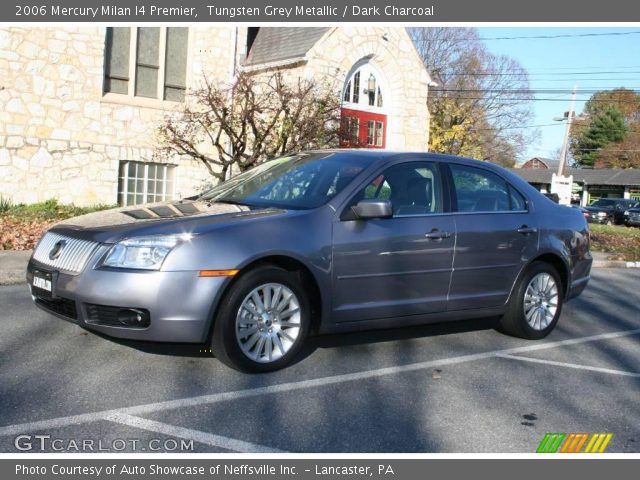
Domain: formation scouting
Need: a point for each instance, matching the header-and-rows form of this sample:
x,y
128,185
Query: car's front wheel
x,y
263,321
536,303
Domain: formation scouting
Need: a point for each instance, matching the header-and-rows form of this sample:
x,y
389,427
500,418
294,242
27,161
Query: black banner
x,y
307,469
404,11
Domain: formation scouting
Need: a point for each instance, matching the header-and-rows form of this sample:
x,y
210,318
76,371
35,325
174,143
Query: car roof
x,y
389,155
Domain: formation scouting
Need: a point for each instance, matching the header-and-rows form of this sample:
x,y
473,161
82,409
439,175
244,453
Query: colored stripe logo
x,y
574,442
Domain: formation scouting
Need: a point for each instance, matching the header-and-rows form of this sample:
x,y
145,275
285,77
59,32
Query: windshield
x,y
603,202
297,182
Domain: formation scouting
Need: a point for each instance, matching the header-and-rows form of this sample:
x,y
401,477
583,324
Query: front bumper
x,y
599,220
180,303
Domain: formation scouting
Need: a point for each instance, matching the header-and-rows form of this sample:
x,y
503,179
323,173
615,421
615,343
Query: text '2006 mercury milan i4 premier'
x,y
314,243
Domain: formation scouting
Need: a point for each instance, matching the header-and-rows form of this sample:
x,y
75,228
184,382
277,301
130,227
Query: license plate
x,y
42,284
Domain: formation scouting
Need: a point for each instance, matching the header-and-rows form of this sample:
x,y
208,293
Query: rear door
x,y
397,266
495,231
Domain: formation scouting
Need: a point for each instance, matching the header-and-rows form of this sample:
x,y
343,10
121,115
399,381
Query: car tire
x,y
536,303
254,331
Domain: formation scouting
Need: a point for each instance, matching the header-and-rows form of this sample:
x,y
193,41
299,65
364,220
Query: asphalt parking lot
x,y
442,388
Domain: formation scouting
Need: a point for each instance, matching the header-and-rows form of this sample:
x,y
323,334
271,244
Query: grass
x,y
623,243
49,210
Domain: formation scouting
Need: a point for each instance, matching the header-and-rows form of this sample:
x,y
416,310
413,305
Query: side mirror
x,y
373,208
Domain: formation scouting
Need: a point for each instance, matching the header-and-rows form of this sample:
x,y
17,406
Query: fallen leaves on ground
x,y
620,245
21,234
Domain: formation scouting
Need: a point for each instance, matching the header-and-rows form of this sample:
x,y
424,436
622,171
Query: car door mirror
x,y
373,208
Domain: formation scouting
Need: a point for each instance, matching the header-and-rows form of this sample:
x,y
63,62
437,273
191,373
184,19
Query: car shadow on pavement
x,y
365,337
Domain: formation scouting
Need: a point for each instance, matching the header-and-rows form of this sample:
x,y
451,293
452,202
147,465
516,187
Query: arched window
x,y
364,81
364,118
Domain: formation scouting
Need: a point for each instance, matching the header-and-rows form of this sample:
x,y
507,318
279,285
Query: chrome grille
x,y
73,257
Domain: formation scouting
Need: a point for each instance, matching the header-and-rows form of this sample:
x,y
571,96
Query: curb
x,y
614,264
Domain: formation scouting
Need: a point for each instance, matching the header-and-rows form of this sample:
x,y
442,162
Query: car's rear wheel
x,y
536,303
263,321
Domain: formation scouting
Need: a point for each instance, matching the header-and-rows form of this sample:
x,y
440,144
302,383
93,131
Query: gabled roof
x,y
550,163
277,44
596,176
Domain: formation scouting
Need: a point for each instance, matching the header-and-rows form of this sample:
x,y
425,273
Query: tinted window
x,y
299,182
479,190
518,203
413,188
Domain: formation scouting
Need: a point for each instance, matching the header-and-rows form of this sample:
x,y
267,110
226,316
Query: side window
x,y
413,188
518,203
478,190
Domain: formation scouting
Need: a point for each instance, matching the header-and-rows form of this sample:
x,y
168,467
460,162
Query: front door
x,y
398,266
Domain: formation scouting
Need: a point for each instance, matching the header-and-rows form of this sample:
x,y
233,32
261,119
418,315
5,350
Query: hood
x,y
599,209
150,213
110,226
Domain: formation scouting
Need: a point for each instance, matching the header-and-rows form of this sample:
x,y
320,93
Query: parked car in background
x,y
632,216
610,211
319,242
586,213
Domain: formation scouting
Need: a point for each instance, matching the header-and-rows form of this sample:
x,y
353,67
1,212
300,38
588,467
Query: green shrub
x,y
49,210
5,204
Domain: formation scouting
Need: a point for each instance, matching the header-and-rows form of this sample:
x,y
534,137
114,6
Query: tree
x,y
257,117
606,127
616,144
625,154
481,102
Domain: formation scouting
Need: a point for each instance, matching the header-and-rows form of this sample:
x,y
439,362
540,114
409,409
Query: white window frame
x,y
124,164
130,98
366,70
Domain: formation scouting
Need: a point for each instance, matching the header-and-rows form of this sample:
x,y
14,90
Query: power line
x,y
501,74
566,35
534,99
589,91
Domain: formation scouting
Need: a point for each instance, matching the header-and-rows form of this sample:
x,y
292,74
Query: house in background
x,y
80,106
539,162
588,184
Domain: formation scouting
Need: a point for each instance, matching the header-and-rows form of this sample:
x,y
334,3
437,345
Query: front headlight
x,y
146,253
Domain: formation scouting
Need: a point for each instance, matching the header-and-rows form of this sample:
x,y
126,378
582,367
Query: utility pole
x,y
565,143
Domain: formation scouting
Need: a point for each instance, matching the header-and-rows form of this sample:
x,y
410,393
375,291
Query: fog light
x,y
133,318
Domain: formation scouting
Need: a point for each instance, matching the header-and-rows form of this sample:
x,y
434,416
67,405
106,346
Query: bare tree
x,y
256,118
481,102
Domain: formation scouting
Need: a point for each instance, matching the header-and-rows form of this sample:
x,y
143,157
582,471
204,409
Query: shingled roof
x,y
598,176
277,44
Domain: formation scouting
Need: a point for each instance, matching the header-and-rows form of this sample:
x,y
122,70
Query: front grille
x,y
61,306
73,252
112,316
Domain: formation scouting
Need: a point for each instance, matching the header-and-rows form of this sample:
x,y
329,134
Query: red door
x,y
360,129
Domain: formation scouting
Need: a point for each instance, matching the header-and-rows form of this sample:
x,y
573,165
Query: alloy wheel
x,y
541,301
268,322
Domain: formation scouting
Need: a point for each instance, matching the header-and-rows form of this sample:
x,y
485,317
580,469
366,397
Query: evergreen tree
x,y
606,127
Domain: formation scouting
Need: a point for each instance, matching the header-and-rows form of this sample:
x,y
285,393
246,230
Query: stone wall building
x,y
80,106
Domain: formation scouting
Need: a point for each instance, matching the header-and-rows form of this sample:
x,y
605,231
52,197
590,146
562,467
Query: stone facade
x,y
62,137
392,52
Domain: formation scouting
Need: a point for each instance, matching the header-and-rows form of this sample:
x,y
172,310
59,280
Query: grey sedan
x,y
318,242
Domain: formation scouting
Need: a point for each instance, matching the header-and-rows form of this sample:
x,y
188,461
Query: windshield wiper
x,y
230,202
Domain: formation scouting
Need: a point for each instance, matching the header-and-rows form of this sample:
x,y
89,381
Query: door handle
x,y
527,230
436,234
